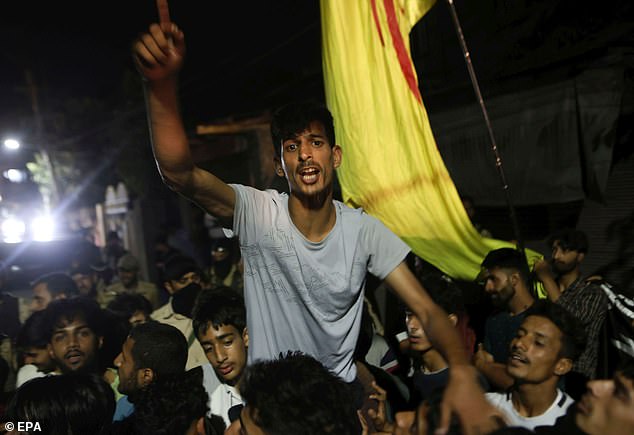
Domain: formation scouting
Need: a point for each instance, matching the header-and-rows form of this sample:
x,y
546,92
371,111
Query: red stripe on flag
x,y
401,51
376,22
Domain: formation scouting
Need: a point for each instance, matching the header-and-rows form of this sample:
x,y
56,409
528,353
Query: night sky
x,y
237,62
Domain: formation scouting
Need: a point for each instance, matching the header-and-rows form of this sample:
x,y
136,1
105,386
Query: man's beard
x,y
562,268
502,298
316,200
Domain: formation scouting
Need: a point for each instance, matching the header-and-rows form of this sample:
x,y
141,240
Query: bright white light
x,y
15,175
12,230
12,144
43,229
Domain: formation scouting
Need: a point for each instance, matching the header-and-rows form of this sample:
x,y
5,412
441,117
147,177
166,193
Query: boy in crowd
x,y
431,370
546,344
606,408
32,344
220,326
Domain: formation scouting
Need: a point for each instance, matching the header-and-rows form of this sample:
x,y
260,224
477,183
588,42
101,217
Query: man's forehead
x,y
70,325
314,128
541,326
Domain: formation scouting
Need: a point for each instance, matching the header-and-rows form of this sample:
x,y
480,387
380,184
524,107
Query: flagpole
x,y
494,147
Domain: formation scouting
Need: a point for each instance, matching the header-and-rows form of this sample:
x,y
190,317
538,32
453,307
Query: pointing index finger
x,y
163,11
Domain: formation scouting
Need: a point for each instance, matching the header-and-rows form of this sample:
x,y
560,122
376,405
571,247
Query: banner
x,y
391,165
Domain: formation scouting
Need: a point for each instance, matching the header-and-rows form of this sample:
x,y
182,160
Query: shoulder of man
x,y
162,312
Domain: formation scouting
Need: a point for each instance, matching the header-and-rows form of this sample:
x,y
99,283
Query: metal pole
x,y
494,148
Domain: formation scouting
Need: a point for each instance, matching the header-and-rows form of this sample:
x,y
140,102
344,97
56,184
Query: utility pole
x,y
40,140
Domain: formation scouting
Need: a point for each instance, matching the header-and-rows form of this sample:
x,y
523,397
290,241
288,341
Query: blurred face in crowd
x,y
41,297
137,318
418,340
85,283
535,351
219,253
498,284
174,285
128,277
74,346
607,407
226,350
565,260
131,378
39,357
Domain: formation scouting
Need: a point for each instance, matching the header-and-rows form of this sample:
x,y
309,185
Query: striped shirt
x,y
586,301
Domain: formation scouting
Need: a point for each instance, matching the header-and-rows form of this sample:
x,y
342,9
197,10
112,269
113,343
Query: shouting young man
x,y
305,255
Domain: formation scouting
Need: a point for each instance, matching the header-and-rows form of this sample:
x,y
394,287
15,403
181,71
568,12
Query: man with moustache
x,y
543,350
76,334
505,275
606,408
565,286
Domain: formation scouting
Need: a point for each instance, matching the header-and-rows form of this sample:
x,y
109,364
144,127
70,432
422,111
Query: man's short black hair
x,y
508,258
293,118
216,307
573,334
73,403
444,292
297,394
159,347
126,304
57,283
167,407
33,332
61,312
570,240
178,265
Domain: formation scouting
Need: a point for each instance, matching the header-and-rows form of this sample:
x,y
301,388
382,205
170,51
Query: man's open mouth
x,y
309,175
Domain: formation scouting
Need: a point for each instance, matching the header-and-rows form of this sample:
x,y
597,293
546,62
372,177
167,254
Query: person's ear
x,y
245,336
580,257
453,319
279,170
146,377
168,287
515,278
563,366
337,155
200,426
99,342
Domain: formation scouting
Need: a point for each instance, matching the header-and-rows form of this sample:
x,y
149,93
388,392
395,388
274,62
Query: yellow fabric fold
x,y
391,165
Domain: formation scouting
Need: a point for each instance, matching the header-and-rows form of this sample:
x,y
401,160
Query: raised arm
x,y
463,395
159,56
544,273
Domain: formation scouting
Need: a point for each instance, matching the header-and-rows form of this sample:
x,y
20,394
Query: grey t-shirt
x,y
302,295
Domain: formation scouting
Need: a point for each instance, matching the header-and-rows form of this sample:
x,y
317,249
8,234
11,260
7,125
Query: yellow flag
x,y
391,165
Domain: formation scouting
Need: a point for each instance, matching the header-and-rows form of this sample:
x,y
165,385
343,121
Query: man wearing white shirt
x,y
219,320
543,350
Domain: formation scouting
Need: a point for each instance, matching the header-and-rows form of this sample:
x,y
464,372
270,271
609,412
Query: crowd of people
x,y
281,338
